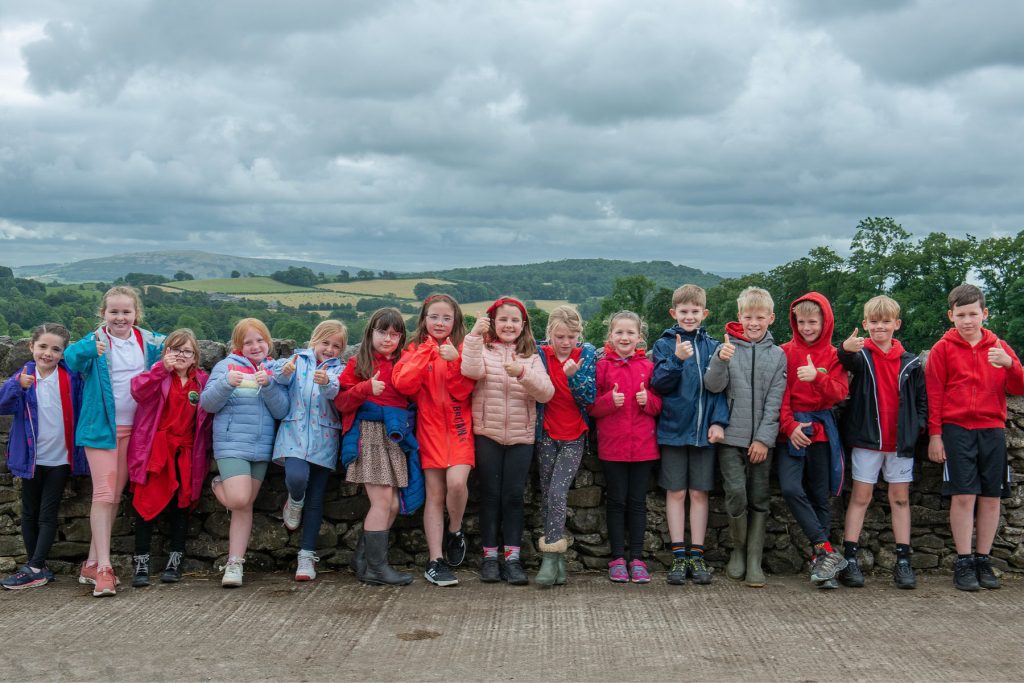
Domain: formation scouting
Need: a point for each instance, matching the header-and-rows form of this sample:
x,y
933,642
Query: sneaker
x,y
439,574
512,571
903,574
306,571
87,574
986,577
965,577
699,571
826,565
454,547
25,578
678,571
638,572
106,582
172,572
617,571
232,573
291,514
828,584
141,577
852,576
490,572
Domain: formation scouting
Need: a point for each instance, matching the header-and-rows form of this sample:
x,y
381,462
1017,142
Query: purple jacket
x,y
150,390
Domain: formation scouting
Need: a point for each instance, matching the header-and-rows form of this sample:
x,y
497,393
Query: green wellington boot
x,y
736,569
755,546
548,574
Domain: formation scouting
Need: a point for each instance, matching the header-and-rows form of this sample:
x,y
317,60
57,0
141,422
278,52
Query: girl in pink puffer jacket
x,y
501,354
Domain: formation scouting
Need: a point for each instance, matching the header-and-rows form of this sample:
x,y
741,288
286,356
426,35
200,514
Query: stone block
x,y
347,509
11,545
586,497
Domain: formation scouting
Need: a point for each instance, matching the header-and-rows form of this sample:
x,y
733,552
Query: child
x,y
45,399
245,402
692,420
887,412
970,371
562,427
108,359
811,467
625,409
167,461
751,369
500,354
309,436
430,371
377,445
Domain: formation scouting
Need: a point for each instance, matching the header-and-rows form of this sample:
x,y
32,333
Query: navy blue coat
x,y
688,409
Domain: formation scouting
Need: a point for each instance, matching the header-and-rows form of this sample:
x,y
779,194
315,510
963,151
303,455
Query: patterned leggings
x,y
558,462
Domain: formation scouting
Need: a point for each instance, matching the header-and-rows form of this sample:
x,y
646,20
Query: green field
x,y
296,299
474,307
237,285
402,288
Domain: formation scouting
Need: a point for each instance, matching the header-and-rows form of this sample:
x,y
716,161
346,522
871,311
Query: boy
x,y
692,419
811,466
887,412
751,370
970,371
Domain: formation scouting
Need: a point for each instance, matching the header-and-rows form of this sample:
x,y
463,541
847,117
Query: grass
x,y
236,285
317,298
474,307
403,288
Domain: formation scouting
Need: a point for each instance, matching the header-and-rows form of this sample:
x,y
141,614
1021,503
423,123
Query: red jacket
x,y
444,412
355,391
828,388
963,387
627,433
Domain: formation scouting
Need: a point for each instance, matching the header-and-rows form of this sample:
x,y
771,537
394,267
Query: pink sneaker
x,y
638,572
617,571
105,583
88,574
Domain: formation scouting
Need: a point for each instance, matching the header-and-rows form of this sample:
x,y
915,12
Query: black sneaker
x,y
513,572
677,573
828,584
141,578
172,573
965,578
852,576
489,570
903,574
454,547
983,569
439,574
699,571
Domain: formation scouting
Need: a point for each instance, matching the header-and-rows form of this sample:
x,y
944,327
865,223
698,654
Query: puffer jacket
x,y
504,408
311,430
625,433
244,424
754,381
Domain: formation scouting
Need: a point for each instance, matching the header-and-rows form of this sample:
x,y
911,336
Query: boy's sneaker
x,y
617,571
232,573
829,584
852,576
490,572
986,577
306,571
25,578
826,565
172,572
106,582
291,514
965,577
903,574
638,572
141,577
454,547
699,571
439,574
678,571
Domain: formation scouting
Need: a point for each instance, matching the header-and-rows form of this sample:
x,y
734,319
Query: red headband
x,y
509,301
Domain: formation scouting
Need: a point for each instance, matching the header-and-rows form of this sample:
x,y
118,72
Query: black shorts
x,y
976,462
687,468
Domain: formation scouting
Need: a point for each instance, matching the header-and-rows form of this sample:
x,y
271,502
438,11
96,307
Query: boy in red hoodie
x,y
811,467
970,371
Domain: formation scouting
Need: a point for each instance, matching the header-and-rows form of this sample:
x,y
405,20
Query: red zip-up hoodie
x,y
828,388
963,387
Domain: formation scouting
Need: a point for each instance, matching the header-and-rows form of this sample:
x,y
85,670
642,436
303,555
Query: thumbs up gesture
x,y
618,398
261,376
998,357
807,373
289,367
514,368
377,384
684,349
726,350
320,376
482,324
641,396
234,377
570,367
26,379
101,346
854,343
447,351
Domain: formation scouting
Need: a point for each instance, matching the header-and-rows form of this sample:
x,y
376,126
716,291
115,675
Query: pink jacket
x,y
504,408
627,433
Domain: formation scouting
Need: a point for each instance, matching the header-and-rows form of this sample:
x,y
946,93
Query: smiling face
x,y
47,352
254,346
440,320
331,347
968,319
563,341
809,327
881,328
385,342
119,315
688,315
755,322
508,323
624,337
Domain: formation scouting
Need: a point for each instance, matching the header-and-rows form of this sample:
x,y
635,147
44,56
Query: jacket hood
x,y
988,338
246,362
895,351
827,324
611,354
736,333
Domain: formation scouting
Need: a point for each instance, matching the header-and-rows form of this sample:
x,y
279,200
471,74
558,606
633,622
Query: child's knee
x,y
675,497
699,497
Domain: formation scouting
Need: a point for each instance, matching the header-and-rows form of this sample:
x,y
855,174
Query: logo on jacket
x,y
193,398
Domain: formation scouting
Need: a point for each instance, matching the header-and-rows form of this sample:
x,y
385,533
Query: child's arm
x,y
459,386
333,386
716,377
282,370
582,384
1014,373
768,430
12,394
604,403
832,386
653,405
275,398
536,380
81,353
354,392
668,369
217,392
473,356
935,384
411,368
147,386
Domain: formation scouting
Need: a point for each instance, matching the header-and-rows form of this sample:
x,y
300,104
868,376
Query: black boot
x,y
378,571
141,578
359,558
172,573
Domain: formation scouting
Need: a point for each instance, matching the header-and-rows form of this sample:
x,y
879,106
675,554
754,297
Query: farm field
x,y
238,285
474,307
401,288
317,298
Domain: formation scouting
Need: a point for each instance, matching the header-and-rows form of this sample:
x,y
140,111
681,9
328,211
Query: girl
x,y
500,353
246,403
108,359
562,428
377,442
44,398
625,409
167,451
430,371
309,437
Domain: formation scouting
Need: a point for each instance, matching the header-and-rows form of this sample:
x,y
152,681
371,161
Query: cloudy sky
x,y
730,135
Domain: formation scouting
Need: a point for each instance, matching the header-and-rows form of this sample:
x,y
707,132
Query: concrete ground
x,y
336,629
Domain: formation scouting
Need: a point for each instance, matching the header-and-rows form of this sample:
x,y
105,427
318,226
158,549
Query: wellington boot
x,y
378,571
562,574
359,558
548,574
737,566
755,546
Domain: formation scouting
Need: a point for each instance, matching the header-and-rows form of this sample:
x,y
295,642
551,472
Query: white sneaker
x,y
232,573
307,566
292,514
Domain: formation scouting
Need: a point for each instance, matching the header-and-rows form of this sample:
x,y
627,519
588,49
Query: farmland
x,y
401,289
319,298
238,285
474,307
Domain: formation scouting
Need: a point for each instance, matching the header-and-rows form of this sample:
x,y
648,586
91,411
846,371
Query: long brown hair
x,y
382,319
458,332
526,345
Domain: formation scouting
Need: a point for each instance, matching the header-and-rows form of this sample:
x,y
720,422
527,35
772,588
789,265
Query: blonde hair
x,y
690,294
243,326
129,292
567,316
881,307
807,309
178,339
641,326
326,330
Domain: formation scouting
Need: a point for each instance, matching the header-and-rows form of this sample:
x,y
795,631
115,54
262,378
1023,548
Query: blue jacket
x,y
400,424
97,427
312,429
688,409
582,385
837,462
243,425
21,403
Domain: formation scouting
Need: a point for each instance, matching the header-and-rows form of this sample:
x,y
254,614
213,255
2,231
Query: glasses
x,y
446,319
184,353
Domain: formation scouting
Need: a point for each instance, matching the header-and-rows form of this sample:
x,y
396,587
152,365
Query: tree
x,y
635,293
538,322
181,276
235,274
364,275
342,276
300,277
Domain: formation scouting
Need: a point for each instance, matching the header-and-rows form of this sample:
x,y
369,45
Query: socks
x,y
968,556
511,553
696,551
850,549
678,549
902,551
490,553
980,556
823,548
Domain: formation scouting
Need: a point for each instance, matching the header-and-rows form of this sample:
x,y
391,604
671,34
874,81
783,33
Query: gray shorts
x,y
233,467
687,468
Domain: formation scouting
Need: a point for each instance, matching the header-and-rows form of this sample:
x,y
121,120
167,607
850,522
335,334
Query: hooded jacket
x,y
244,425
625,433
964,388
688,408
311,430
582,385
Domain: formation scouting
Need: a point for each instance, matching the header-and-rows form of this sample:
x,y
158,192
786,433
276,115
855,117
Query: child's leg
x,y
791,483
616,475
817,473
456,477
547,454
758,490
961,521
515,474
636,506
296,478
396,505
143,533
701,479
567,464
489,455
698,516
860,498
108,484
988,523
433,510
672,476
732,461
313,511
31,504
899,506
239,494
378,518
179,527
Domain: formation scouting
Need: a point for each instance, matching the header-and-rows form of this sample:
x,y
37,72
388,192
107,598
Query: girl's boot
x,y
359,558
548,574
560,581
737,566
755,546
378,571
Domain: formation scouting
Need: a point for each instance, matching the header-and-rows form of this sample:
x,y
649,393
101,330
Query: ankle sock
x,y
980,556
850,549
490,552
823,548
696,551
511,553
902,551
968,556
300,501
678,549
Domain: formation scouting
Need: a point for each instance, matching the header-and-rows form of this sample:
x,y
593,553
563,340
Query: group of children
x,y
409,421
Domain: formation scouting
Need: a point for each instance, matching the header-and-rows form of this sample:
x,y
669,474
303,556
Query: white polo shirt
x,y
51,448
125,360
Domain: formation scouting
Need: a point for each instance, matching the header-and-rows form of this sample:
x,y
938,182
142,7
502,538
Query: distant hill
x,y
201,264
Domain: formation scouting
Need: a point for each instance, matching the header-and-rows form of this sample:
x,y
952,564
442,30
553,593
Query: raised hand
x,y
169,361
235,377
854,343
101,347
376,384
289,367
570,367
261,377
514,368
26,379
320,377
618,398
641,396
998,357
447,351
807,373
482,324
727,350
684,349
797,436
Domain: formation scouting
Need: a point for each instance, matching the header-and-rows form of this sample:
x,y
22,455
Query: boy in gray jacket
x,y
751,370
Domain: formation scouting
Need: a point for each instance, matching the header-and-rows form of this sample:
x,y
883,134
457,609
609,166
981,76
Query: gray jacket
x,y
754,382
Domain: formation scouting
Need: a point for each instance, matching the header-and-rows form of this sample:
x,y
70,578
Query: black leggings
x,y
40,500
626,490
503,472
179,525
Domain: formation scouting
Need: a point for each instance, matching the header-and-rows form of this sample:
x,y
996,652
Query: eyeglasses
x,y
184,353
446,319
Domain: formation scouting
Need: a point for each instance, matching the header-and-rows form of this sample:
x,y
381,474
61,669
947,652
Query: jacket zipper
x,y
874,394
508,388
753,399
700,391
